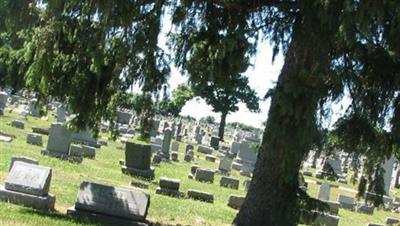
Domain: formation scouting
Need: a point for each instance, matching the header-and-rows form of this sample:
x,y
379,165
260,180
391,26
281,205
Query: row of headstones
x,y
28,184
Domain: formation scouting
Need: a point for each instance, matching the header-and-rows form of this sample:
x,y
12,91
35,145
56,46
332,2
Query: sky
x,y
262,76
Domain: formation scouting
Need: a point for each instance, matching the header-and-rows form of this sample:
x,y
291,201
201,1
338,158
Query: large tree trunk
x,y
221,129
272,196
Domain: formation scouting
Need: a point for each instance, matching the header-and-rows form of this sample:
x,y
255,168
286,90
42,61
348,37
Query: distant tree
x,y
240,125
208,119
173,106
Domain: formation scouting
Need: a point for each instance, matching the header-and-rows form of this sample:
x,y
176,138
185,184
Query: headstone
x,y
214,143
204,149
34,108
200,195
88,151
169,186
18,124
204,175
75,150
392,221
189,156
174,156
188,147
193,171
40,131
59,140
333,207
34,139
235,201
22,159
225,165
247,153
137,160
85,137
362,208
346,202
229,182
175,146
387,177
166,143
324,192
124,117
110,205
28,185
3,101
61,114
211,158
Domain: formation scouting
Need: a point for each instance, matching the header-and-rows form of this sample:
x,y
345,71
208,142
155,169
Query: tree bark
x,y
272,196
221,129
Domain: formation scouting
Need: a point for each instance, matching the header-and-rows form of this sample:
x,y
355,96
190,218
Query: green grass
x,y
106,169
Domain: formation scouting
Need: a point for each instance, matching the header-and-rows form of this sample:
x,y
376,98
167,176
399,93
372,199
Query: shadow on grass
x,y
58,216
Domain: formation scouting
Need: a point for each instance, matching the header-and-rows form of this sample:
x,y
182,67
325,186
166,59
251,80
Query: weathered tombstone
x,y
34,139
388,171
193,171
189,156
137,160
166,143
18,124
247,153
307,173
179,130
324,192
59,141
155,124
3,101
174,156
392,221
61,114
211,158
169,186
362,208
85,137
204,149
88,151
200,195
225,165
110,205
188,148
229,182
124,117
346,202
34,108
246,169
204,175
175,146
22,159
28,185
214,142
75,150
40,131
235,201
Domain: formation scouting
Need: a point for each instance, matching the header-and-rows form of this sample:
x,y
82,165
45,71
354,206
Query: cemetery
x,y
203,113
162,193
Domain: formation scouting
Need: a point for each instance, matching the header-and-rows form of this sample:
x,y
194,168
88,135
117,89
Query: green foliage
x,y
240,125
172,107
208,119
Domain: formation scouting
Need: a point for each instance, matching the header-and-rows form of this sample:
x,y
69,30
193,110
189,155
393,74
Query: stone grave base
x,y
75,159
147,174
169,192
33,201
103,219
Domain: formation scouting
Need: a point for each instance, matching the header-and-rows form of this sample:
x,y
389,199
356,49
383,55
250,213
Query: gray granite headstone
x,y
22,159
112,201
324,191
166,142
59,139
29,178
137,156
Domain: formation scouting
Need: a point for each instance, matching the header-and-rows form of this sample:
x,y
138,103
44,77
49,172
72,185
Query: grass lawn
x,y
106,169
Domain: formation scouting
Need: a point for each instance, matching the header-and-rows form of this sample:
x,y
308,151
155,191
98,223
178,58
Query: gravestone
x,y
235,201
3,101
169,186
18,124
247,153
178,130
189,156
138,160
204,175
28,185
200,195
367,209
22,159
75,150
214,142
346,202
85,137
88,151
174,156
392,221
155,124
204,149
110,205
42,131
60,114
388,171
166,143
175,146
225,165
324,192
188,147
34,139
34,108
124,117
211,158
193,169
59,141
229,182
